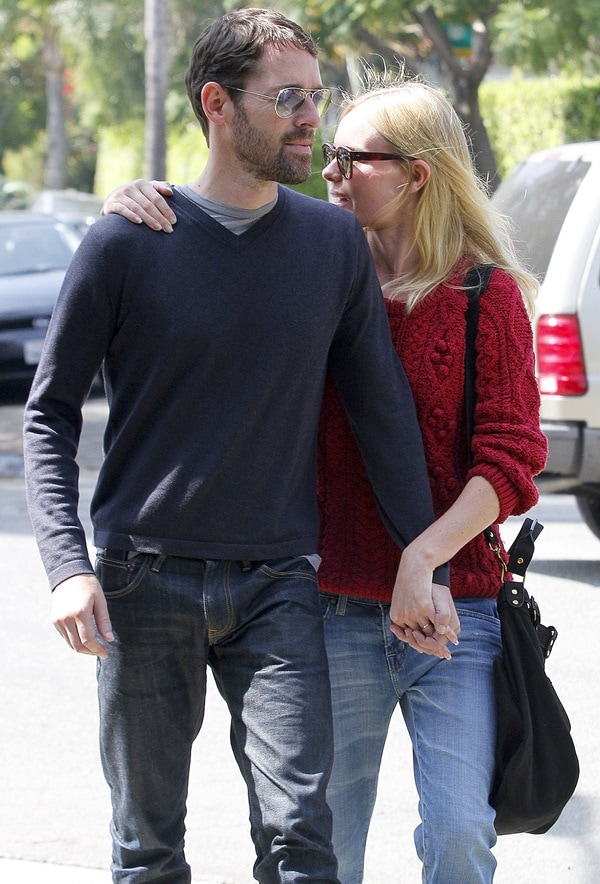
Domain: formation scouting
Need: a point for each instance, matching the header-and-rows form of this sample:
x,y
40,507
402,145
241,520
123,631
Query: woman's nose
x,y
331,171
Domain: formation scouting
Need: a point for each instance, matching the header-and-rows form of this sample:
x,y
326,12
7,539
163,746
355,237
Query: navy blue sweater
x,y
215,351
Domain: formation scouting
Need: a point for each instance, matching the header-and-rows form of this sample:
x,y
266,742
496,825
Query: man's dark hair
x,y
228,50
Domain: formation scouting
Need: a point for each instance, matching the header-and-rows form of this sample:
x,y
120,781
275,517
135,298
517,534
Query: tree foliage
x,y
416,37
22,102
99,47
558,35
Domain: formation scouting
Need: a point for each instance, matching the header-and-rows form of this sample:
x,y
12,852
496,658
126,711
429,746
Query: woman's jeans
x,y
449,710
259,628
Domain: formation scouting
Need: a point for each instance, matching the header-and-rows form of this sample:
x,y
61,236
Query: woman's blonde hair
x,y
454,218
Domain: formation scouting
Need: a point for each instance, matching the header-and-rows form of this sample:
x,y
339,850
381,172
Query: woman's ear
x,y
215,101
421,173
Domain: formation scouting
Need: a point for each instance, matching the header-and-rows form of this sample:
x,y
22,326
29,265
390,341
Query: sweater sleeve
x,y
71,358
378,401
508,446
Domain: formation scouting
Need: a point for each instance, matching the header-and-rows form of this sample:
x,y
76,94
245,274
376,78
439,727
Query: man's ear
x,y
216,103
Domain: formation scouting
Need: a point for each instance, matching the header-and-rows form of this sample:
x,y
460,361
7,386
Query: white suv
x,y
553,198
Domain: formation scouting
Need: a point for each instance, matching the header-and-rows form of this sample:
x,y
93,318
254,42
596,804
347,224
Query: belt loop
x,y
158,563
340,609
246,566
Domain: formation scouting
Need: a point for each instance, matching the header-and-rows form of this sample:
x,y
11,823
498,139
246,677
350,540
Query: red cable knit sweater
x,y
359,557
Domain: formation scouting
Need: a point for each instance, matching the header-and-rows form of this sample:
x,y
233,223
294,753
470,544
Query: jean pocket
x,y
479,608
329,604
296,566
120,578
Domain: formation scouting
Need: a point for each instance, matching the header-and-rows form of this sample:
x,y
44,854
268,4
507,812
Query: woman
x,y
401,163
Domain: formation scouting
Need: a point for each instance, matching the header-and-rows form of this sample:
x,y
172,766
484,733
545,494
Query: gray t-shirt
x,y
232,217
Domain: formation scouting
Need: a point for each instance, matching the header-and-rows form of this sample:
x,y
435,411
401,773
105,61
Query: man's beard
x,y
254,149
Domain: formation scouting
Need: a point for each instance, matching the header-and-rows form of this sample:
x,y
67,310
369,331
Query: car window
x,y
537,197
77,207
31,248
67,204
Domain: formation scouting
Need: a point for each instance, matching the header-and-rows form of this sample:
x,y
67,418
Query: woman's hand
x,y
141,202
422,613
434,632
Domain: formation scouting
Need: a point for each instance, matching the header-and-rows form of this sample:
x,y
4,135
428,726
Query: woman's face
x,y
374,183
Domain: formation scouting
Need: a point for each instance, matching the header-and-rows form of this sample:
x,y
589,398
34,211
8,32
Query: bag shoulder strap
x,y
475,283
521,551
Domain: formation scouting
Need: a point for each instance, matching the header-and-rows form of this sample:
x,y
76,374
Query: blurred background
x,y
92,94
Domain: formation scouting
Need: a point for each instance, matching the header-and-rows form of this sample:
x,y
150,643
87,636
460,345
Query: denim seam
x,y
135,582
214,635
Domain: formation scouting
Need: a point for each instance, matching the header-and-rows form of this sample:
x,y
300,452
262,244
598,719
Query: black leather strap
x,y
523,547
475,283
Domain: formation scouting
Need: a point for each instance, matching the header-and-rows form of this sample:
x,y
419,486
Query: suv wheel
x,y
589,507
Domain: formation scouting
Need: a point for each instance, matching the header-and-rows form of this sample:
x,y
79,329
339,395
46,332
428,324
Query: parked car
x,y
553,198
74,207
35,251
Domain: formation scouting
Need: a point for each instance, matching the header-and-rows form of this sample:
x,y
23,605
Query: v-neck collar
x,y
182,203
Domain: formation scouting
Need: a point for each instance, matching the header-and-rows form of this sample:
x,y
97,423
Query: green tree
x,y
149,86
88,56
156,70
417,38
558,35
22,103
30,24
55,175
72,67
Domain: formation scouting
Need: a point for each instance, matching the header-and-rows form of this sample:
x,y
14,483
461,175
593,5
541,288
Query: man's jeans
x,y
449,710
258,626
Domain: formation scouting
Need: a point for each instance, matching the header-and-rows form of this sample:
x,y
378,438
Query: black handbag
x,y
537,768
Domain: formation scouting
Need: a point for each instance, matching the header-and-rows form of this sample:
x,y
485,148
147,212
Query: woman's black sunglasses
x,y
345,157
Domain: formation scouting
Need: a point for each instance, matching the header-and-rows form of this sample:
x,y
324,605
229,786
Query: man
x,y
215,343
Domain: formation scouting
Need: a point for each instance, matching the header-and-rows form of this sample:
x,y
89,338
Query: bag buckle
x,y
522,548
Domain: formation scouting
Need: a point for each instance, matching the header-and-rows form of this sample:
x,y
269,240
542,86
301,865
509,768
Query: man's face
x,y
268,147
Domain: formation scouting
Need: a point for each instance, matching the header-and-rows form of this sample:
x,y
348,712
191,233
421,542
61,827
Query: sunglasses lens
x,y
328,154
322,100
289,101
344,158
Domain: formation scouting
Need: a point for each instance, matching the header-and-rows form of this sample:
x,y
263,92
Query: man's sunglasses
x,y
345,157
289,101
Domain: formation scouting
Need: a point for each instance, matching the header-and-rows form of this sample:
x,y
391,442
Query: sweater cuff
x,y
508,493
442,575
69,569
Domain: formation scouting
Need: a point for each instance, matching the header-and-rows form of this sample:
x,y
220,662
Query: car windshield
x,y
537,197
77,207
35,248
60,203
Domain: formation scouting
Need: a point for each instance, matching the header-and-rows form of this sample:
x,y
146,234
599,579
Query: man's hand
x,y
80,614
141,202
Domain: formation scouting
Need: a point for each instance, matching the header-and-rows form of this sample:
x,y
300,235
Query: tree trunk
x,y
55,174
156,67
466,103
464,81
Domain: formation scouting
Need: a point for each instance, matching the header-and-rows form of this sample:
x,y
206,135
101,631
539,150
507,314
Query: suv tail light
x,y
560,364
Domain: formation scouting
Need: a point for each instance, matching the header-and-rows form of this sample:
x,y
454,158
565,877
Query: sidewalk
x,y
54,803
14,871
